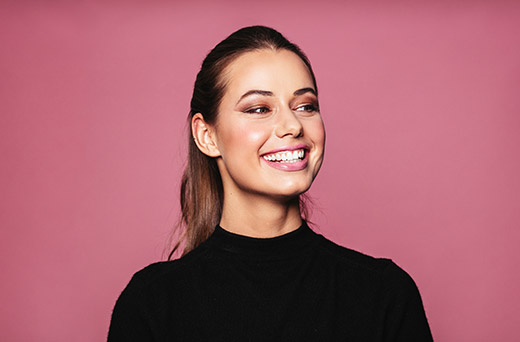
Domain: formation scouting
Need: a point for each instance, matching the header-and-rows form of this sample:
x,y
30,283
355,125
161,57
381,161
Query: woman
x,y
252,269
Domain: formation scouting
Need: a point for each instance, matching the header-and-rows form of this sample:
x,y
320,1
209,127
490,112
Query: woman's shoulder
x,y
380,267
352,257
147,293
152,272
396,293
165,273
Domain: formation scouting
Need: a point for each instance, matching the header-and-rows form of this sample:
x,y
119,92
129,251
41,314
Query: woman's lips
x,y
287,159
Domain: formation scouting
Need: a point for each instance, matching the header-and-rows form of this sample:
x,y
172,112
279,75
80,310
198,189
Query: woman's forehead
x,y
267,69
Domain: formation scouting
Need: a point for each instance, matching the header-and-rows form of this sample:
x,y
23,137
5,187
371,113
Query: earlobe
x,y
202,134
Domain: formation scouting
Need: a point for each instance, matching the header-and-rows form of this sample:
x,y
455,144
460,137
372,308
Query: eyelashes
x,y
306,108
309,108
258,110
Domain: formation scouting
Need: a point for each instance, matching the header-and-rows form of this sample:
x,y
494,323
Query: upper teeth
x,y
286,156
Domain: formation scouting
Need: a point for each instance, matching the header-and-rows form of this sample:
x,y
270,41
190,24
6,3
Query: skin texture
x,y
261,200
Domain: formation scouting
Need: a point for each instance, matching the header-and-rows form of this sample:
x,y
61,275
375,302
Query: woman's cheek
x,y
251,135
316,130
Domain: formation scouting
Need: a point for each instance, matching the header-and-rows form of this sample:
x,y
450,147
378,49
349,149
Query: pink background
x,y
422,109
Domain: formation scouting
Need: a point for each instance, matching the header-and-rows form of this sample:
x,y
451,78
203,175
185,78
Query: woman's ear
x,y
203,135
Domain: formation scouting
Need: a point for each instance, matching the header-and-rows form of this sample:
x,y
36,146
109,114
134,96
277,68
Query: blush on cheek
x,y
254,136
247,135
316,130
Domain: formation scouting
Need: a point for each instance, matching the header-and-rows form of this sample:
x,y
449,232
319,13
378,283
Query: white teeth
x,y
286,156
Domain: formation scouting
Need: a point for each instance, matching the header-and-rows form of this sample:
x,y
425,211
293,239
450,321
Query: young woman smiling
x,y
252,269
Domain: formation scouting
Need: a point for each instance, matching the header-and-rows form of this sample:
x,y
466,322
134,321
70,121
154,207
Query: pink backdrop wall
x,y
422,109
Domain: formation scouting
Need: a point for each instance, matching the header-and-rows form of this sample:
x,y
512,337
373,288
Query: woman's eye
x,y
257,110
307,108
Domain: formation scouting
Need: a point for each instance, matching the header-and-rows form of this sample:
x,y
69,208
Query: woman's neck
x,y
260,217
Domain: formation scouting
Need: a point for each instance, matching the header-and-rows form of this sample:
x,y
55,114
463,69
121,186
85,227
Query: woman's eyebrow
x,y
256,92
270,93
305,90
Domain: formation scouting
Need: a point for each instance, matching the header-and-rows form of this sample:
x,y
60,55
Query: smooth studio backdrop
x,y
422,109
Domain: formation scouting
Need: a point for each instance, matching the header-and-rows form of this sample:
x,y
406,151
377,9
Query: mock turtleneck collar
x,y
276,247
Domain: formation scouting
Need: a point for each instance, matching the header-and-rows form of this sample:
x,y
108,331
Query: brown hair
x,y
201,190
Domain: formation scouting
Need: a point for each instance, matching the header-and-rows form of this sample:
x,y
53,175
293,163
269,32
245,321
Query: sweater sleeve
x,y
129,319
405,319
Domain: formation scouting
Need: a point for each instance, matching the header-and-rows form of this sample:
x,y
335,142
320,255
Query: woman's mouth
x,y
288,159
286,156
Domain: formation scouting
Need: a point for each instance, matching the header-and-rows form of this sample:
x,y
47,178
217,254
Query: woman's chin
x,y
289,193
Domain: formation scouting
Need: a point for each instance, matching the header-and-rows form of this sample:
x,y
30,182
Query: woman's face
x,y
269,130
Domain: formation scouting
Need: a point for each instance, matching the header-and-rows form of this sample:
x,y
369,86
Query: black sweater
x,y
295,287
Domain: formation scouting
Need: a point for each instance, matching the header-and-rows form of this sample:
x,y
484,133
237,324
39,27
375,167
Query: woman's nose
x,y
288,123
